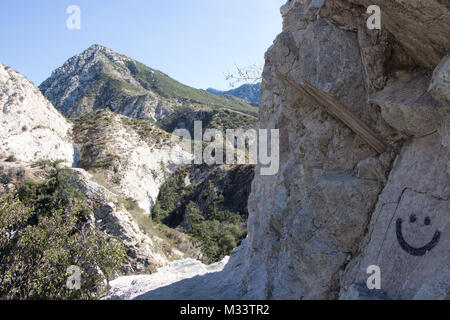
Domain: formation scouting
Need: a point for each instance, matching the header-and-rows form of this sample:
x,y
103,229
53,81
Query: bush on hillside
x,y
215,230
43,232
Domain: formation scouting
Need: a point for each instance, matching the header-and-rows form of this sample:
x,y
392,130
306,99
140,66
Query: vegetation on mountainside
x,y
110,91
43,231
172,239
211,119
147,130
207,210
93,131
170,88
89,132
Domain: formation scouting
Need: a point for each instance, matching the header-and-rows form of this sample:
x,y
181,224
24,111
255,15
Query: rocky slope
x,y
100,78
33,134
131,157
184,118
145,251
364,150
248,92
31,129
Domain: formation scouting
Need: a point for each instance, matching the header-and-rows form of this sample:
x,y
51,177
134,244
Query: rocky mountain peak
x,y
100,78
103,54
92,80
97,47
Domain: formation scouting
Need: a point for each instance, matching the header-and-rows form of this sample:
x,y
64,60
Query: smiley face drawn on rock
x,y
413,250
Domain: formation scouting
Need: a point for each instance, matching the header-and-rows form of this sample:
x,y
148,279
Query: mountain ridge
x,y
100,78
249,92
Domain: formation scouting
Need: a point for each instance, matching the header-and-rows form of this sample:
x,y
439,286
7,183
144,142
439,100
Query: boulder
x,y
408,107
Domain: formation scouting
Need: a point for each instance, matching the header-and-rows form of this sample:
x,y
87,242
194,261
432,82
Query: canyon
x,y
364,158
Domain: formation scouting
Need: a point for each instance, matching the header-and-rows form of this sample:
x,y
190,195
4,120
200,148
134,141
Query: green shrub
x,y
11,158
219,238
132,205
193,215
173,195
216,231
58,191
43,232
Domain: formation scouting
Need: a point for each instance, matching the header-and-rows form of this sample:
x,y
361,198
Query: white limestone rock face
x,y
146,169
133,161
31,128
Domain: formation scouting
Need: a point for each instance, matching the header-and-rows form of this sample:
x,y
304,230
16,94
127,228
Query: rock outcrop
x,y
131,157
31,128
145,252
409,233
408,107
336,206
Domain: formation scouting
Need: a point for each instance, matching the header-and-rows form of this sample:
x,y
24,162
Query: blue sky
x,y
193,41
